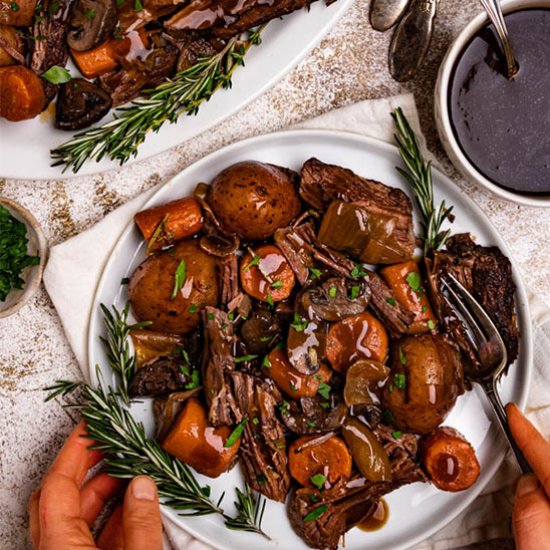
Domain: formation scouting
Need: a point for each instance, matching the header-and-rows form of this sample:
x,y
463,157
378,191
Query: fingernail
x,y
527,484
143,488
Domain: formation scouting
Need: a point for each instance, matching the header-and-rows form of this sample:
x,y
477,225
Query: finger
x,y
112,535
75,459
34,520
535,448
531,515
141,516
95,493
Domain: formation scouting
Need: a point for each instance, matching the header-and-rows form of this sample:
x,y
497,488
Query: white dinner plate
x,y
25,146
418,510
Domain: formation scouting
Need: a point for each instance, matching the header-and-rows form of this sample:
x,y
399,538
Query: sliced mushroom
x,y
159,377
311,416
261,330
91,23
79,104
335,299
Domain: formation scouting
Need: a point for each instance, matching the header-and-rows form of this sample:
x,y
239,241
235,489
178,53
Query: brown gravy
x,y
377,518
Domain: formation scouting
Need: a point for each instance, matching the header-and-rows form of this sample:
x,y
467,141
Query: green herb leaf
x,y
266,363
245,358
210,316
391,301
424,309
277,285
270,300
400,380
402,356
255,421
179,279
195,380
138,6
57,75
414,281
254,261
332,292
396,435
387,415
315,273
355,291
90,14
318,480
431,324
324,390
359,271
299,324
13,253
124,281
236,433
14,6
317,513
193,308
310,424
292,387
324,405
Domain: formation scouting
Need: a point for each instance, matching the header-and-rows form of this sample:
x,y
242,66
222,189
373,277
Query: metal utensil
x,y
384,14
494,11
411,40
492,353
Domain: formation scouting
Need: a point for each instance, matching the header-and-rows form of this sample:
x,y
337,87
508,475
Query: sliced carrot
x,y
106,56
198,445
359,337
405,281
329,458
164,225
290,381
21,93
449,459
266,274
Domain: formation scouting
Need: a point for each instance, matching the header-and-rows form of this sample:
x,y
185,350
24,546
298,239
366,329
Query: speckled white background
x,y
349,65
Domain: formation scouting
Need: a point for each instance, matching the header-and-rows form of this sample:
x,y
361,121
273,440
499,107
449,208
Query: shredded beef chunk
x,y
229,279
159,377
217,366
487,274
386,308
263,450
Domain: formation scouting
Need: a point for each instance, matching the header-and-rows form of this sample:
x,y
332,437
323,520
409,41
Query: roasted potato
x,y
10,41
252,199
425,380
153,283
18,13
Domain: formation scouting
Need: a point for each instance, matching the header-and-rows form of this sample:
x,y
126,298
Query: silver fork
x,y
492,353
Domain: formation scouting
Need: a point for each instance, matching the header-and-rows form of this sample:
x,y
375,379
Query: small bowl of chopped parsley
x,y
23,251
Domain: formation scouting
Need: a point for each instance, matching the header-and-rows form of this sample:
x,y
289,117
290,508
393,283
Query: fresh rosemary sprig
x,y
250,510
418,174
62,388
120,138
128,452
116,344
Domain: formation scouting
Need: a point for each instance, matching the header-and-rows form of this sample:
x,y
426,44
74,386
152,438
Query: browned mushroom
x,y
91,23
79,104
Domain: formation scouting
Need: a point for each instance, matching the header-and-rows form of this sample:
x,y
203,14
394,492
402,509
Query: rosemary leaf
x,y
250,510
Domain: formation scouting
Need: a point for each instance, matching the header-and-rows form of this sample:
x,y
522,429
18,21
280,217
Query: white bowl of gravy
x,y
496,131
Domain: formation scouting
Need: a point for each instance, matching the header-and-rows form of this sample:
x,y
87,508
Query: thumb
x,y
141,516
531,516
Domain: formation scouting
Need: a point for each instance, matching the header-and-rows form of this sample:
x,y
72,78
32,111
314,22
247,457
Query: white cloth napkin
x,y
75,266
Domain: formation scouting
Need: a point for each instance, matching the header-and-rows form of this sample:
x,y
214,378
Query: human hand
x,y
531,515
63,508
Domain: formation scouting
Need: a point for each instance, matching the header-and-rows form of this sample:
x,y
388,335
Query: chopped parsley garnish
x,y
266,363
138,6
210,316
254,261
413,280
53,8
90,13
317,513
402,356
431,324
193,308
396,435
195,380
245,358
280,445
400,380
270,299
313,497
14,6
56,74
390,388
315,273
332,292
284,408
387,415
265,338
185,370
310,424
391,301
261,478
231,316
358,271
277,285
355,291
324,390
124,281
292,387
424,309
179,279
255,421
324,405
235,434
318,480
299,324
13,253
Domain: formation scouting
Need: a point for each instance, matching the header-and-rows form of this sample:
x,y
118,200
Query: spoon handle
x,y
492,395
494,11
384,14
411,39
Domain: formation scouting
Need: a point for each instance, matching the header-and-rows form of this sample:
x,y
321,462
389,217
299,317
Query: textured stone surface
x,y
349,65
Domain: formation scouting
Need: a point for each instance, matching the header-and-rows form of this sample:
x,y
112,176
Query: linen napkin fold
x,y
75,266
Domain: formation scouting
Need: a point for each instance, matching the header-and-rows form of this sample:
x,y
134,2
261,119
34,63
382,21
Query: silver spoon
x,y
384,14
411,39
494,11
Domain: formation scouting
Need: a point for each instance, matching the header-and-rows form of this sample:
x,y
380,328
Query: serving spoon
x,y
494,11
384,14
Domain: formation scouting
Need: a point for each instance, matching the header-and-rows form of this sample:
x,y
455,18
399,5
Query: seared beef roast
x,y
487,274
